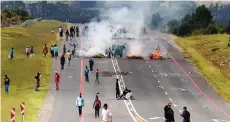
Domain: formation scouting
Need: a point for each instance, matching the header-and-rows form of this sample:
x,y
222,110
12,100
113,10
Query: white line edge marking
x,y
129,100
166,93
123,100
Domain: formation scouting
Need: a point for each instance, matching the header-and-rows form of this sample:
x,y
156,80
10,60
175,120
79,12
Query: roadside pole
x,y
22,106
12,114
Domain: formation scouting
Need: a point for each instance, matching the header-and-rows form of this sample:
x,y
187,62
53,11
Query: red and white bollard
x,y
12,114
22,106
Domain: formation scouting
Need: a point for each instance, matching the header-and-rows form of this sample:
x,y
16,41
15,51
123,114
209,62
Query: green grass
x,y
21,70
215,65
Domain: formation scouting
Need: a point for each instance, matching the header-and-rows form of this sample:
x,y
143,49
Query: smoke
x,y
133,16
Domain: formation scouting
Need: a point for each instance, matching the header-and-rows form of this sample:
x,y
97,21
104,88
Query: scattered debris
x,y
181,89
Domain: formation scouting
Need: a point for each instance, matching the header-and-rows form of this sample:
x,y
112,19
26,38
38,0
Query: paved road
x,y
155,83
144,81
72,82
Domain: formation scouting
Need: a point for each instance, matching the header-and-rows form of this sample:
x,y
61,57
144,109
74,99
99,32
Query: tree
x,y
203,16
157,21
172,26
227,29
184,29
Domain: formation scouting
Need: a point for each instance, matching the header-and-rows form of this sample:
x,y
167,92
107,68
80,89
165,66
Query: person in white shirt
x,y
106,114
80,104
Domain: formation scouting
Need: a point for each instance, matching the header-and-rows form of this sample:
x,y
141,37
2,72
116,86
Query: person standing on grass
x,y
45,50
57,79
64,49
31,51
62,61
11,55
52,31
80,104
106,114
37,81
91,63
27,51
117,89
6,83
68,54
97,106
97,76
60,31
86,74
52,51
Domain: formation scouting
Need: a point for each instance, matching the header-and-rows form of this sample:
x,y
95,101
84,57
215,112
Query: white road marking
x,y
155,75
156,118
149,66
180,111
166,93
70,76
219,120
131,109
129,100
128,103
158,81
174,105
170,99
120,90
152,70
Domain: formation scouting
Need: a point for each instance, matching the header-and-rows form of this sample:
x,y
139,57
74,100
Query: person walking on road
x,y
7,83
68,54
67,34
57,80
45,51
64,49
185,115
97,76
11,55
106,114
62,61
55,51
117,89
97,106
31,51
169,114
80,104
86,74
37,81
52,51
91,64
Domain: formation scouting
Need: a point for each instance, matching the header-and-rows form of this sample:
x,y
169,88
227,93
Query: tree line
x,y
201,22
21,13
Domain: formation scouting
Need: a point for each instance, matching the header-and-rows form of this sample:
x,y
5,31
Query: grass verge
x,y
212,57
21,70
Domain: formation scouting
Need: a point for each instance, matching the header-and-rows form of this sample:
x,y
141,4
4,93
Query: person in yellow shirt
x,y
68,54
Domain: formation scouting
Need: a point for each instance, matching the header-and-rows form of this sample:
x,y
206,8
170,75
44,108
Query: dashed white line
x,y
158,81
180,111
152,70
174,105
128,103
149,66
170,99
155,75
166,93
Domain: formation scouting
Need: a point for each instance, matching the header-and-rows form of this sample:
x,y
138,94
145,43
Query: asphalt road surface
x,y
153,83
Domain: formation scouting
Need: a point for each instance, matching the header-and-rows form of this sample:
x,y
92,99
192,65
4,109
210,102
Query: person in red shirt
x,y
57,78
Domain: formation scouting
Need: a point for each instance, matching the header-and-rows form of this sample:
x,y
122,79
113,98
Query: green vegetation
x,y
14,16
201,22
21,70
212,57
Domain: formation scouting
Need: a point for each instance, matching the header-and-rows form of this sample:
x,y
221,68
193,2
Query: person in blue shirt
x,y
11,55
55,51
86,74
91,64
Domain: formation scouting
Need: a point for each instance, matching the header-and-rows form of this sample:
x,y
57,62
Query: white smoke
x,y
134,18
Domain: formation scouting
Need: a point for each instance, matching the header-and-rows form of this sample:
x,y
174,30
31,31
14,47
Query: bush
x,y
184,29
211,29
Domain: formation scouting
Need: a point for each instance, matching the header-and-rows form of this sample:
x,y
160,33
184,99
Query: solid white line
x,y
170,99
166,93
124,100
130,100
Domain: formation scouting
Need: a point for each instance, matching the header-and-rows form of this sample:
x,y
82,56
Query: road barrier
x,y
12,115
22,106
